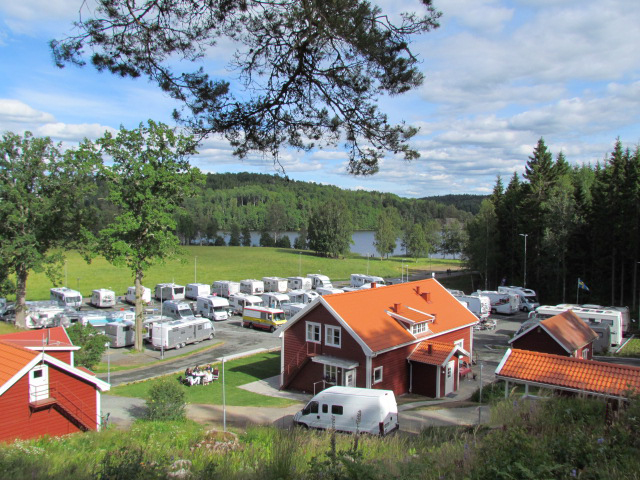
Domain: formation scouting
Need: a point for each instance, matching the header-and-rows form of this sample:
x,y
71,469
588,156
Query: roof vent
x,y
429,349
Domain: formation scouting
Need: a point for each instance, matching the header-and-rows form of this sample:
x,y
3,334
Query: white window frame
x,y
329,336
328,374
459,343
377,372
317,329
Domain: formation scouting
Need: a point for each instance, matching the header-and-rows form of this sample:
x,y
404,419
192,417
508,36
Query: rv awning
x,y
335,362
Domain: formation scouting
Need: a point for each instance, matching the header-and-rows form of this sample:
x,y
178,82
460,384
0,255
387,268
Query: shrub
x,y
166,401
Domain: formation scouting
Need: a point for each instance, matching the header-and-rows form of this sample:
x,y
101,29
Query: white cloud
x,y
75,133
15,111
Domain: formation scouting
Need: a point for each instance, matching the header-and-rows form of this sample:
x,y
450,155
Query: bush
x,y
491,393
283,242
91,342
166,401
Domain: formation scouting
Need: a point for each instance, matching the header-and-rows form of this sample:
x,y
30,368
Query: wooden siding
x,y
424,379
62,355
538,340
460,334
395,370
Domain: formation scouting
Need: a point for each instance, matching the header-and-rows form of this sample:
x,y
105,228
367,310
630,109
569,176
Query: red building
x,y
41,392
564,334
409,338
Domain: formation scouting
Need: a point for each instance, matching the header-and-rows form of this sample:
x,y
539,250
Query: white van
x,y
319,281
352,409
169,291
195,290
505,303
299,283
238,301
528,299
225,288
328,290
358,280
251,286
302,296
177,310
130,296
275,284
275,300
103,298
212,307
66,297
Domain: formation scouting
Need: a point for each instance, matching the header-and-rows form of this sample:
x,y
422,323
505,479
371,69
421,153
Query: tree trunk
x,y
138,345
21,295
621,284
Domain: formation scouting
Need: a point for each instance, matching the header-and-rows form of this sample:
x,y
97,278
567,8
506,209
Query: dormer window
x,y
418,328
413,320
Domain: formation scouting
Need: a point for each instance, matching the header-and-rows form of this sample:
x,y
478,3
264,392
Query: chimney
x,y
429,349
427,296
373,285
396,307
418,290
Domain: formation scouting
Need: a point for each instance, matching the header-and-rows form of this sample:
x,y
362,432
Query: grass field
x,y
237,372
631,349
224,263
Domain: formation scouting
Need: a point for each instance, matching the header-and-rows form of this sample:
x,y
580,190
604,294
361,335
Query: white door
x,y
449,380
350,378
39,383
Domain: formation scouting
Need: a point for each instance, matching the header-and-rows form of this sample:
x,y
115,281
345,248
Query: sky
x,y
499,75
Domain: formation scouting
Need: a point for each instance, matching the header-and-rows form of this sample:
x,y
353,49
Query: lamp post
x,y
195,269
108,361
224,402
525,235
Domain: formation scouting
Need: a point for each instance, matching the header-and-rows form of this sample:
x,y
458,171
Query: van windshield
x,y
279,316
72,300
312,407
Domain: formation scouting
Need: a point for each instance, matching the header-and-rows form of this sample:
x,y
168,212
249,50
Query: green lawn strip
x,y
630,350
8,328
237,372
226,263
102,367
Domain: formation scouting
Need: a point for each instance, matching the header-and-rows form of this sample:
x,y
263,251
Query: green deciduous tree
x,y
234,236
330,229
149,177
386,234
91,342
415,241
309,70
42,191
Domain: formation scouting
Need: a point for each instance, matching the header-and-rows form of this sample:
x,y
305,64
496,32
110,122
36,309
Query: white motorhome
x,y
528,298
328,291
149,322
120,334
169,291
213,307
350,409
130,296
290,309
319,281
479,305
358,280
103,298
195,290
177,310
251,286
302,296
238,301
299,283
275,284
505,303
179,333
225,288
275,300
66,297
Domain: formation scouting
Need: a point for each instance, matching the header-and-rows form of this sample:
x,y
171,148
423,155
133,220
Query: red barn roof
x,y
435,353
566,328
49,338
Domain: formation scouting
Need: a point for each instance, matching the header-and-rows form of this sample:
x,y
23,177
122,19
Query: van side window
x,y
336,409
325,408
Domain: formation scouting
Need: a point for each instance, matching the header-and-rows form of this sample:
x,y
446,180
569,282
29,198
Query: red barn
x,y
564,334
53,341
409,337
42,394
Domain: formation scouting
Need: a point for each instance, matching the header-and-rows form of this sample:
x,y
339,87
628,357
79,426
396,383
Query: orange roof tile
x,y
569,372
367,312
570,330
52,337
13,358
440,353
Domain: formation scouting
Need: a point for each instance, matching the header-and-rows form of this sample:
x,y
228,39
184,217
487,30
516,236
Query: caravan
x,y
120,334
225,288
505,303
263,317
149,322
179,333
319,281
275,284
350,409
358,280
103,298
528,299
252,286
479,305
213,307
328,291
275,300
66,297
169,291
195,290
239,301
130,296
299,283
302,296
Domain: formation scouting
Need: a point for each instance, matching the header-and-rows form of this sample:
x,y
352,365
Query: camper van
x,y
302,296
479,305
528,300
299,283
239,301
212,307
149,322
252,286
319,281
275,300
350,409
120,334
195,290
179,333
130,296
103,298
358,280
225,288
263,317
275,284
169,291
328,290
66,297
504,303
177,310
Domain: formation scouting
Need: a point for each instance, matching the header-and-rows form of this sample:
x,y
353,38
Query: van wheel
x,y
177,346
184,344
250,325
272,329
211,336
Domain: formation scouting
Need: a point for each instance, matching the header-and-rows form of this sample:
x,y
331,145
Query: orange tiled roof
x,y
13,358
52,337
440,353
570,330
569,372
365,311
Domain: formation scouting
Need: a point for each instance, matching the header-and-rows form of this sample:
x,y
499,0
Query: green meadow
x,y
207,264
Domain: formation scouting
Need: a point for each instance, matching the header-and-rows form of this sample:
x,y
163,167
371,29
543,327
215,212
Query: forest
x,y
569,224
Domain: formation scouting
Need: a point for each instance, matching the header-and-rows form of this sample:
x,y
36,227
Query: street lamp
x,y
195,269
108,362
525,235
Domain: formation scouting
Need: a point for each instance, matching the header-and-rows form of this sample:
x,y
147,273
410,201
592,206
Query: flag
x,y
582,285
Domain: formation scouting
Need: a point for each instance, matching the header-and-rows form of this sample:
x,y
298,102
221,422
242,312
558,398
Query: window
x,y
459,343
313,332
312,407
336,409
332,336
585,353
377,375
331,373
419,328
325,408
38,374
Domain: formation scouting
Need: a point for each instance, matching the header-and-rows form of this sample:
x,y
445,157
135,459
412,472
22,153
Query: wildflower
x,y
574,473
600,440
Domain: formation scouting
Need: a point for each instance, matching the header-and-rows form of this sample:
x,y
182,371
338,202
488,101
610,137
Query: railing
x,y
67,401
302,356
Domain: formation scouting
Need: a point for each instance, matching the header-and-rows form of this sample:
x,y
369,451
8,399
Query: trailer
x,y
299,283
328,291
358,280
302,296
213,307
479,305
130,296
225,288
264,318
319,281
505,303
275,300
120,334
251,286
527,297
195,290
179,333
103,298
275,284
169,291
66,297
239,301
